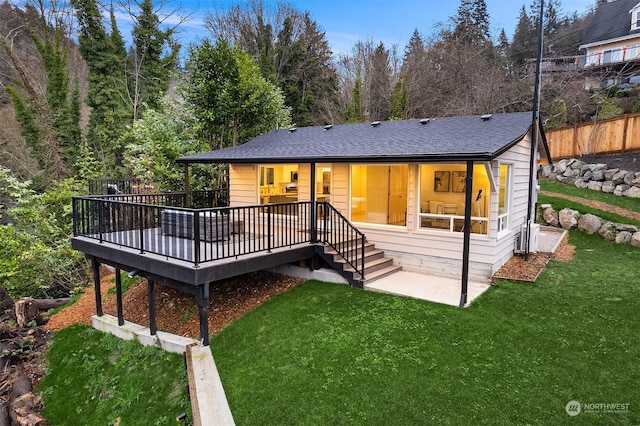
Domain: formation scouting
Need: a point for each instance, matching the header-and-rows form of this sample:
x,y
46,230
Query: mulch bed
x,y
519,269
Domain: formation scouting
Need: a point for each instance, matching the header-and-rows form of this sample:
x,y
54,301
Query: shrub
x,y
37,259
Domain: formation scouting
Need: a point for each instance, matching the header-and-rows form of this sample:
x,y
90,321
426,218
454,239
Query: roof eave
x,y
477,156
609,41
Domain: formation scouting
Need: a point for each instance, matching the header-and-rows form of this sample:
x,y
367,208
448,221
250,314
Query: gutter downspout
x,y
467,235
534,130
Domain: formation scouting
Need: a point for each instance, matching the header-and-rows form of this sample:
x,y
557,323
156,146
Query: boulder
x,y
568,218
633,192
623,227
589,223
635,239
571,173
608,231
620,190
560,167
581,183
623,237
587,175
629,178
577,165
550,216
609,174
598,175
595,185
608,187
618,178
566,180
546,170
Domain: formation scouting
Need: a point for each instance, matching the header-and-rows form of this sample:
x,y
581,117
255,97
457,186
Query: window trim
x,y
505,216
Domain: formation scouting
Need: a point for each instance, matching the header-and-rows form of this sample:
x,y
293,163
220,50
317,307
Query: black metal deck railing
x,y
343,237
161,224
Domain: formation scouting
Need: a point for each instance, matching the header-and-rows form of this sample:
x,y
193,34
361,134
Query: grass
x,y
95,378
631,204
331,354
126,282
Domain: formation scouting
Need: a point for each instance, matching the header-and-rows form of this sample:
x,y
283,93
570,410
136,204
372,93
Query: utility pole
x,y
534,128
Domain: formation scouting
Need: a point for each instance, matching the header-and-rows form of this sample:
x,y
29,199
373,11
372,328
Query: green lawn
x,y
95,378
330,354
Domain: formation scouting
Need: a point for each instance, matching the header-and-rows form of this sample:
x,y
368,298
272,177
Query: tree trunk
x,y
5,300
24,403
26,311
44,304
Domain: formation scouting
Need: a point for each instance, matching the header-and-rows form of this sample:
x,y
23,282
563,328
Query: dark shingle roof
x,y
611,21
453,138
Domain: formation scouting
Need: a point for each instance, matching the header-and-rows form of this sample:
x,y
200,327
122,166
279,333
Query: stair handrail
x,y
340,234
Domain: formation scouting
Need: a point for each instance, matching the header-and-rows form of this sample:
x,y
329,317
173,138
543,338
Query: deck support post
x,y
151,291
202,299
187,195
119,297
96,286
467,234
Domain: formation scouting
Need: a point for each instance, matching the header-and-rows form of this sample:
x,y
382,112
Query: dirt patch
x,y
176,312
519,269
629,161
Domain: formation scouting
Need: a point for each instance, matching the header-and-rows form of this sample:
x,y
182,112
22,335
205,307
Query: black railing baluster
x,y
141,224
196,237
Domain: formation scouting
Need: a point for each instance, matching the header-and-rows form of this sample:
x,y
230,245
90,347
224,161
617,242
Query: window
x,y
278,183
635,20
379,194
503,197
442,206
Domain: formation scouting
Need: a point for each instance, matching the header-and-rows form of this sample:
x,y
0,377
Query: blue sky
x,y
347,21
391,21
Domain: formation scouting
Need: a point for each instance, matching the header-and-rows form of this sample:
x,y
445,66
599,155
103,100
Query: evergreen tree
x,y
524,39
355,112
106,95
292,52
414,76
152,67
230,100
502,48
379,84
471,24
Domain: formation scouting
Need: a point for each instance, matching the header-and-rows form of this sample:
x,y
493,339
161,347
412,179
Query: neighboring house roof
x,y
478,138
611,22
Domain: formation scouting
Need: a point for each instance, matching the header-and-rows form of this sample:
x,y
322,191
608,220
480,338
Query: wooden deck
x,y
173,258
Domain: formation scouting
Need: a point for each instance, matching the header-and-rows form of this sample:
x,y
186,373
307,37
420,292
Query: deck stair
x,y
376,264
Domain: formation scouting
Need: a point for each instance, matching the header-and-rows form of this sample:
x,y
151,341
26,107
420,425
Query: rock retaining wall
x,y
597,177
591,224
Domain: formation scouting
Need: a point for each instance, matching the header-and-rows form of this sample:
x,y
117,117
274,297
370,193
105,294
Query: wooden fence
x,y
616,135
